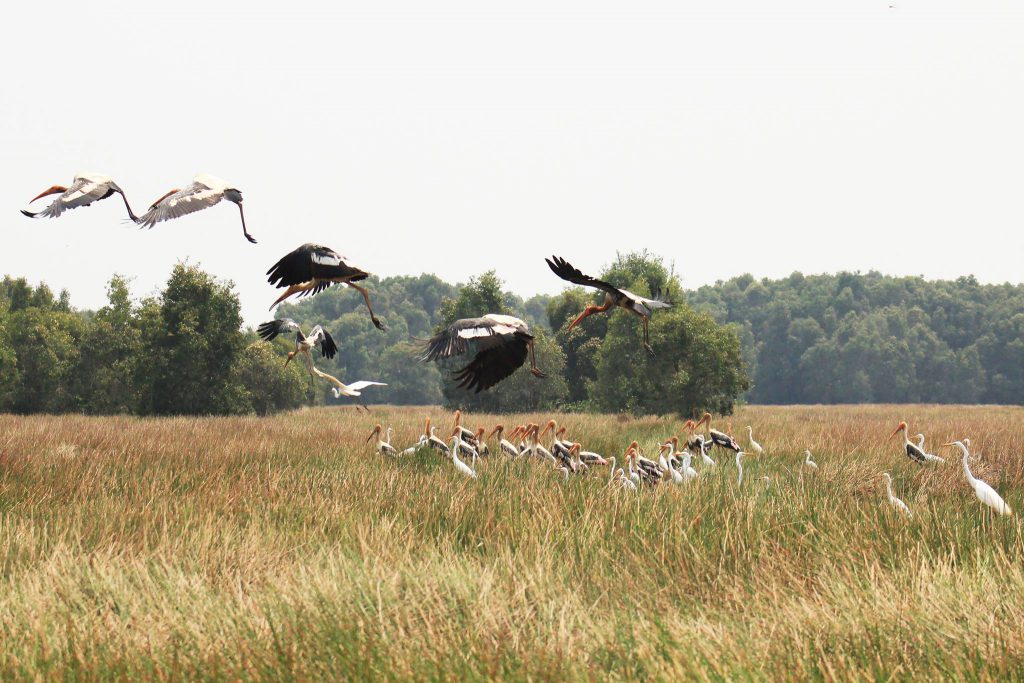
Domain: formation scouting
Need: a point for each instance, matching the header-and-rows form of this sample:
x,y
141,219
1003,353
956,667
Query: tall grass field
x,y
287,548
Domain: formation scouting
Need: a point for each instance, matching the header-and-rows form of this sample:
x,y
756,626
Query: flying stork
x,y
311,269
613,296
318,336
204,191
501,344
912,451
85,189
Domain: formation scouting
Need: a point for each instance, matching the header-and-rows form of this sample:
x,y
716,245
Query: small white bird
x,y
462,467
739,466
927,456
807,461
895,502
985,493
754,446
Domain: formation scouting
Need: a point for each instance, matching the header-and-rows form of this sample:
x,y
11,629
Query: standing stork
x,y
204,192
384,446
613,296
720,439
505,446
431,440
85,189
312,268
500,344
912,451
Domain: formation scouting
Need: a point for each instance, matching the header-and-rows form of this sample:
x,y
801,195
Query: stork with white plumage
x,y
85,189
204,191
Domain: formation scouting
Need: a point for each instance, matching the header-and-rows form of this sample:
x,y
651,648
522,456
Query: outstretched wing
x,y
501,358
83,192
328,349
915,453
311,262
195,197
565,270
455,339
268,331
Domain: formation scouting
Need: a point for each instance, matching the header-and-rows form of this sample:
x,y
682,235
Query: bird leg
x,y
590,310
366,297
244,231
131,214
647,337
534,370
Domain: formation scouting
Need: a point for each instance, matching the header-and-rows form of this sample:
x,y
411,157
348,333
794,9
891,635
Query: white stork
x,y
204,191
384,446
500,344
613,296
985,493
912,451
85,189
312,268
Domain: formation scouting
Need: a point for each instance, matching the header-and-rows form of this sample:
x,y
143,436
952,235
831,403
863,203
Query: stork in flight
x,y
500,344
613,296
269,331
85,189
204,191
311,269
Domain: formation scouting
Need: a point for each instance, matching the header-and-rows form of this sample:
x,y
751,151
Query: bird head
x,y
376,432
549,426
497,430
902,426
53,189
458,418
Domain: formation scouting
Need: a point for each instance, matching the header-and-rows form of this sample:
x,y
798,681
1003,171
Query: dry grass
x,y
284,548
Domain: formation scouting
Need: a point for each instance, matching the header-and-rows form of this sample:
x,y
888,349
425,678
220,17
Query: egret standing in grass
x,y
463,468
895,502
754,446
739,466
807,461
985,493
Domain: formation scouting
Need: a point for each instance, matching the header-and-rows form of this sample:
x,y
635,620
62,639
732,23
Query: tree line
x,y
801,339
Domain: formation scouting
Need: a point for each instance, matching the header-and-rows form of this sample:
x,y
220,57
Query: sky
x,y
457,137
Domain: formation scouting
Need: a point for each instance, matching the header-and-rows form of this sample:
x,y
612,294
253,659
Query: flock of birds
x,y
674,465
499,344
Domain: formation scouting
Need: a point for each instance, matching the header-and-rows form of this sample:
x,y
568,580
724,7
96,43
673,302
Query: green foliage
x,y
872,338
269,384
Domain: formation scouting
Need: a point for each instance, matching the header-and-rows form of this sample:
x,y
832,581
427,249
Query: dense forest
x,y
803,339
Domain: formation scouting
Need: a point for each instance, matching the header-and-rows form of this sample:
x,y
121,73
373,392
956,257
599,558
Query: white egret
x,y
807,460
895,502
462,467
754,446
739,466
985,493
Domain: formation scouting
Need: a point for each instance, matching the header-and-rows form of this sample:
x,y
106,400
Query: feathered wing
x,y
269,331
455,339
565,270
311,262
915,453
195,197
494,363
83,192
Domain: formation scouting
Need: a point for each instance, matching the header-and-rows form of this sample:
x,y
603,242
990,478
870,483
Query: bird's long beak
x,y
951,443
545,430
586,311
494,431
376,430
898,429
53,189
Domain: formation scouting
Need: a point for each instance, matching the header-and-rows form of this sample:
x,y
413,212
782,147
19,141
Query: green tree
x,y
46,344
269,385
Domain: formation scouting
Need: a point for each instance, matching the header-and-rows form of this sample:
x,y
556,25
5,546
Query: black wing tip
x,y
29,213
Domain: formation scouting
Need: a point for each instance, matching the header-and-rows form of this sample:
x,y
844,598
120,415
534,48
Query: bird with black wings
x,y
311,269
500,344
318,336
613,296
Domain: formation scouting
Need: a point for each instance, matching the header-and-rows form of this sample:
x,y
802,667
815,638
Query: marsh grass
x,y
285,548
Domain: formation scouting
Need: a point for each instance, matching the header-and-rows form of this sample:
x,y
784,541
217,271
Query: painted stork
x,y
465,434
500,344
613,296
720,439
318,336
432,441
204,192
754,446
535,446
481,443
985,493
457,445
912,451
588,458
85,189
505,446
384,446
807,460
312,268
646,470
895,502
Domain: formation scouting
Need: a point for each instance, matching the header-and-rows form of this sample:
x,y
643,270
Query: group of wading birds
x,y
673,465
499,345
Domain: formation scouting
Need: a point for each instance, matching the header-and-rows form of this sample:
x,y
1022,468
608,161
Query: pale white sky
x,y
732,137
